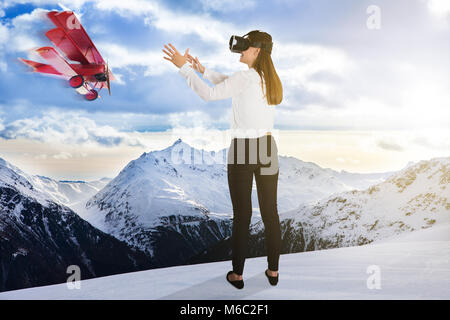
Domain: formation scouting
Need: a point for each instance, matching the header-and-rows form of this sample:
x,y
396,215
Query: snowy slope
x,y
69,193
416,197
40,238
303,182
172,211
412,266
11,175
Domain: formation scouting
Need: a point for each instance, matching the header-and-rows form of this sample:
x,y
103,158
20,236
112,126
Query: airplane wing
x,y
59,64
70,36
57,61
40,67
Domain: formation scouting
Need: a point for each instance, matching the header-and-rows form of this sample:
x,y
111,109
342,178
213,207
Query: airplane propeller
x,y
107,78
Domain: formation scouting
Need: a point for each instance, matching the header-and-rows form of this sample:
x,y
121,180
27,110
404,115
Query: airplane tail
x,y
40,67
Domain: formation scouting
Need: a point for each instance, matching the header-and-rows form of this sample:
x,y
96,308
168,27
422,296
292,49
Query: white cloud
x,y
118,78
343,89
3,65
4,35
197,120
41,156
122,56
70,128
206,28
228,5
298,63
62,155
440,8
18,34
73,4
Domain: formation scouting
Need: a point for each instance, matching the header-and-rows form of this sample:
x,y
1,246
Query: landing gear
x,y
91,95
76,81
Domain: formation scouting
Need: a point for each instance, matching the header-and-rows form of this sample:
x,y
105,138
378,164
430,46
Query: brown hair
x,y
264,66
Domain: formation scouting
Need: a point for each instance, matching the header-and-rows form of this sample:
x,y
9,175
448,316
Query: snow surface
x,y
414,265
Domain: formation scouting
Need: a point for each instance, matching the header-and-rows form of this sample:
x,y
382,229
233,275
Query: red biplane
x,y
90,72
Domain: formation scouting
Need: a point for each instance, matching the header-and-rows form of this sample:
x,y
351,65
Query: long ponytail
x,y
266,70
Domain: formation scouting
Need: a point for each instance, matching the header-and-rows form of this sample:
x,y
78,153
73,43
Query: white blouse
x,y
251,115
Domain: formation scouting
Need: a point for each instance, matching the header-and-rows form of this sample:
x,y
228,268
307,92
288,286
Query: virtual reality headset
x,y
239,44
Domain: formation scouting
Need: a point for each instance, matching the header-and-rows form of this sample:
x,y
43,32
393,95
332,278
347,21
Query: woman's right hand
x,y
196,65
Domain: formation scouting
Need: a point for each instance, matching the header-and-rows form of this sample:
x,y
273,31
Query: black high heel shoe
x,y
239,284
272,280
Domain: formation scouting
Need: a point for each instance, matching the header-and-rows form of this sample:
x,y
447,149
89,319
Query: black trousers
x,y
258,157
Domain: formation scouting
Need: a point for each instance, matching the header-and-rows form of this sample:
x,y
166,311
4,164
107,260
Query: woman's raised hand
x,y
175,57
196,65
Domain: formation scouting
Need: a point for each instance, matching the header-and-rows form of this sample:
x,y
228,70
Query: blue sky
x,y
337,75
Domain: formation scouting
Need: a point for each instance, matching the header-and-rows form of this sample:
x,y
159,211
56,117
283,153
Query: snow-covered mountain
x,y
411,266
204,181
40,238
172,211
159,196
69,193
416,197
305,182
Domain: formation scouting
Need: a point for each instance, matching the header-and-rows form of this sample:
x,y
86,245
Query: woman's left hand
x,y
175,57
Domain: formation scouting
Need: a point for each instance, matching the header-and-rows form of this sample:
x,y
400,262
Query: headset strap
x,y
263,45
258,44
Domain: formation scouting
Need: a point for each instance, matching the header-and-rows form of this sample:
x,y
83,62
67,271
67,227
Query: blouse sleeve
x,y
214,76
228,88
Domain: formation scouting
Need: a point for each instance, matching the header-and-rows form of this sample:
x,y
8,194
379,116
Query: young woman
x,y
255,93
